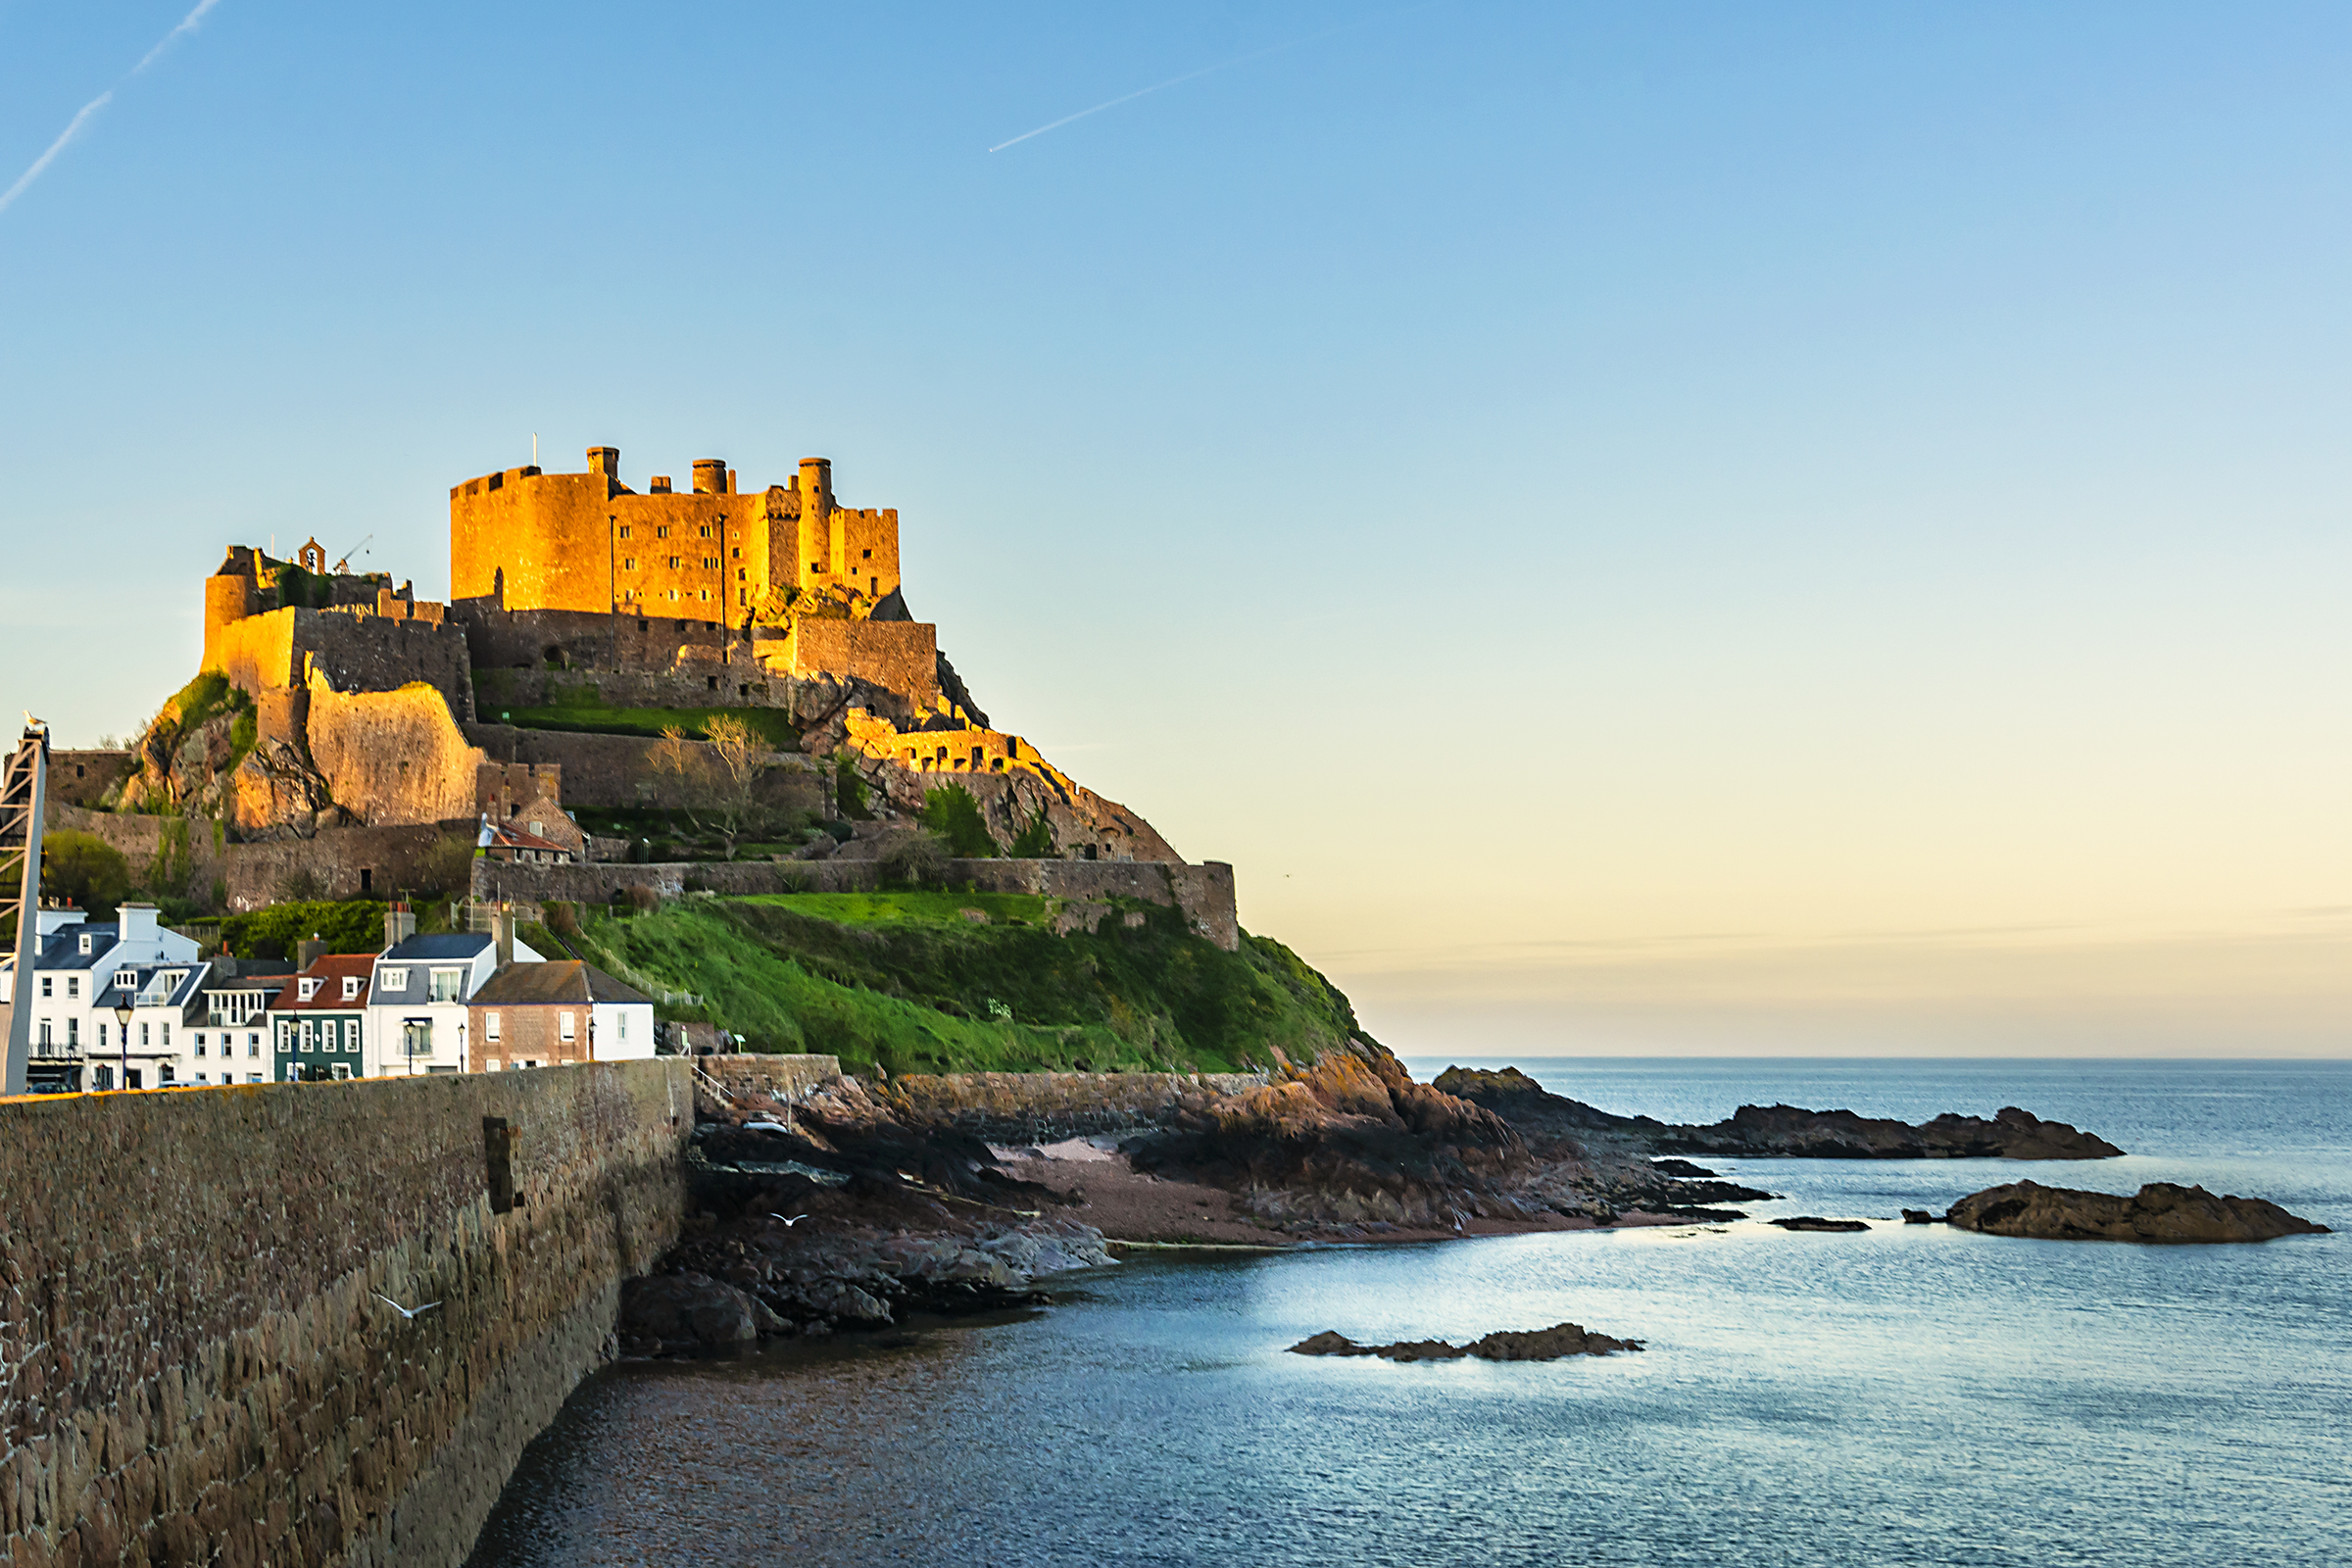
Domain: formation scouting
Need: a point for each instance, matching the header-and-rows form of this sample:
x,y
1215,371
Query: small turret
x,y
709,477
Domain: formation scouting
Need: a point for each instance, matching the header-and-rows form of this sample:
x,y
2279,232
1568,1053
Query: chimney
x,y
709,477
135,922
502,931
307,953
400,924
605,460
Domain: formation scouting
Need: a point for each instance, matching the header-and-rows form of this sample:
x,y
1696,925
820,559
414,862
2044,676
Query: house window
x,y
310,988
392,980
166,1034
45,1041
341,1070
567,1024
200,1044
72,985
449,985
417,1036
163,1073
308,1038
48,986
253,1045
145,1037
73,1035
351,987
621,1030
490,1027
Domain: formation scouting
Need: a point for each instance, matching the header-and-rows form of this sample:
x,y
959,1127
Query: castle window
x,y
739,552
713,680
673,596
661,532
740,573
709,560
816,566
866,554
625,530
706,594
675,561
705,530
629,562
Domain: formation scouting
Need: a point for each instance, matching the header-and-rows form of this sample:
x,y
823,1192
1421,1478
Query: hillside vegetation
x,y
911,983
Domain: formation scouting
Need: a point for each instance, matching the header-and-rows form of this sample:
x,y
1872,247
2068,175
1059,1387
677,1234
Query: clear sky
x,y
1711,527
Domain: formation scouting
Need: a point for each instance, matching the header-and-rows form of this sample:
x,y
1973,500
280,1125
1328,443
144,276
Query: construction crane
x,y
343,566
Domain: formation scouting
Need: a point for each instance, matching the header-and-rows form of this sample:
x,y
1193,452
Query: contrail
x,y
1146,92
188,23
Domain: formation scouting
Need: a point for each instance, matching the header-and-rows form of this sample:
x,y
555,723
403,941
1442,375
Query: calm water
x,y
1910,1396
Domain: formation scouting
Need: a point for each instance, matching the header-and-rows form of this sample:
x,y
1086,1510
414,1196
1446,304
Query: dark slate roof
x,y
440,945
192,979
522,984
62,949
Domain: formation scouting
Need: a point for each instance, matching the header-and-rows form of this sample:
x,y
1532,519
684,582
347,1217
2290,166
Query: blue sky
x,y
1709,527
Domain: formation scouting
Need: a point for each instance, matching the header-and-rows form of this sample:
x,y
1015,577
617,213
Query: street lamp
x,y
122,1024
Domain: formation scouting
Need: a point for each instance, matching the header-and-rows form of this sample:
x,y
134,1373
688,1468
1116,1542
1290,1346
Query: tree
x,y
717,782
1036,840
953,815
85,869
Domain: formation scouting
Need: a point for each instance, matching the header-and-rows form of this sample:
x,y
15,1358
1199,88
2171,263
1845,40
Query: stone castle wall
x,y
198,1369
79,778
340,863
353,653
1204,892
899,654
618,771
394,757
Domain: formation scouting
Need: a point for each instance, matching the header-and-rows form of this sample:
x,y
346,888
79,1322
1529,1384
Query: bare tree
x,y
715,782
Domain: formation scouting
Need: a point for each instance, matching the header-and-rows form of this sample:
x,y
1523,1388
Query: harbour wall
x,y
1047,1106
196,1363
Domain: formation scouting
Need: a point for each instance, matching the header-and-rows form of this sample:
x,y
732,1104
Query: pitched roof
x,y
439,945
330,972
506,836
522,984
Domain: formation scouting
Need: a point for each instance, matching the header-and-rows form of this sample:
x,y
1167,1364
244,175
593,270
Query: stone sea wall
x,y
196,1366
789,1074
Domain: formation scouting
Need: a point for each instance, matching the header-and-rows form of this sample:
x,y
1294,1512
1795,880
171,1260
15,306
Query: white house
x,y
418,1004
81,970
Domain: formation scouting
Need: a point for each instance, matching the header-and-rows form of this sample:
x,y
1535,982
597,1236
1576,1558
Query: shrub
x,y
447,866
953,815
644,900
849,790
87,869
561,918
913,861
354,927
1036,840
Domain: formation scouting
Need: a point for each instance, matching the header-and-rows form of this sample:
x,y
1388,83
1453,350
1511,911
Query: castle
x,y
570,587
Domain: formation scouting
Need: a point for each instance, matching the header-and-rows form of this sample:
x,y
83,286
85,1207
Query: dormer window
x,y
85,942
351,987
392,980
310,988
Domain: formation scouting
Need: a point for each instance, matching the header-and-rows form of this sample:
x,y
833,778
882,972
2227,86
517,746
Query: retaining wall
x,y
1045,1106
789,1074
196,1366
1205,892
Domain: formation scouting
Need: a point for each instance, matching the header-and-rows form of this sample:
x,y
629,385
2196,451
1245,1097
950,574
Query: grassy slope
x,y
904,980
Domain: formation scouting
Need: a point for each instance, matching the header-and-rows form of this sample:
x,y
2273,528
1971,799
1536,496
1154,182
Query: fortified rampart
x,y
1204,893
184,856
197,1365
351,652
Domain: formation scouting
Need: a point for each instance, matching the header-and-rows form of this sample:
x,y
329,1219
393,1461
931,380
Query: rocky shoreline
x,y
852,1209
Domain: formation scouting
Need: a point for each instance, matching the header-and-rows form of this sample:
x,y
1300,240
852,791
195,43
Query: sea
x,y
1909,1395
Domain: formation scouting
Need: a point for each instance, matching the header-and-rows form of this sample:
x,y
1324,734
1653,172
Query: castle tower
x,y
821,540
229,595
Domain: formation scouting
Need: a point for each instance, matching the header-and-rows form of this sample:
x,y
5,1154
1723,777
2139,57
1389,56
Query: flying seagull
x,y
789,1223
409,1312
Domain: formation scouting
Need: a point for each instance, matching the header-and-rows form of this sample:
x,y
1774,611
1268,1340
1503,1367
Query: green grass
x,y
772,725
902,980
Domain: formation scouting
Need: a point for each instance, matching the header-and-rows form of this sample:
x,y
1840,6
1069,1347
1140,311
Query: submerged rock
x,y
1814,1222
1536,1345
2161,1212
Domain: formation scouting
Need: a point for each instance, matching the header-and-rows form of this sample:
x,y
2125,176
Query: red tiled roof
x,y
329,973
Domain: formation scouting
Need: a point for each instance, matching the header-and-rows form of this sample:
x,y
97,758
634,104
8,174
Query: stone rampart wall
x,y
79,778
340,863
1044,1106
740,681
197,1367
1204,892
353,653
901,655
394,757
532,642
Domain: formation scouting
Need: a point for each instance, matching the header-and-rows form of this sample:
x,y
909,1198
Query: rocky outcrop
x,y
1537,1344
1787,1130
1772,1131
1349,1139
1814,1222
2160,1212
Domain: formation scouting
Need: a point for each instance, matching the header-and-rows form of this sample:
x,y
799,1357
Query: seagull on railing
x,y
409,1312
789,1223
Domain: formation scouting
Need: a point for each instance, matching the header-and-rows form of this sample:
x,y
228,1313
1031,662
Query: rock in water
x,y
2160,1212
1814,1222
1540,1345
1921,1217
